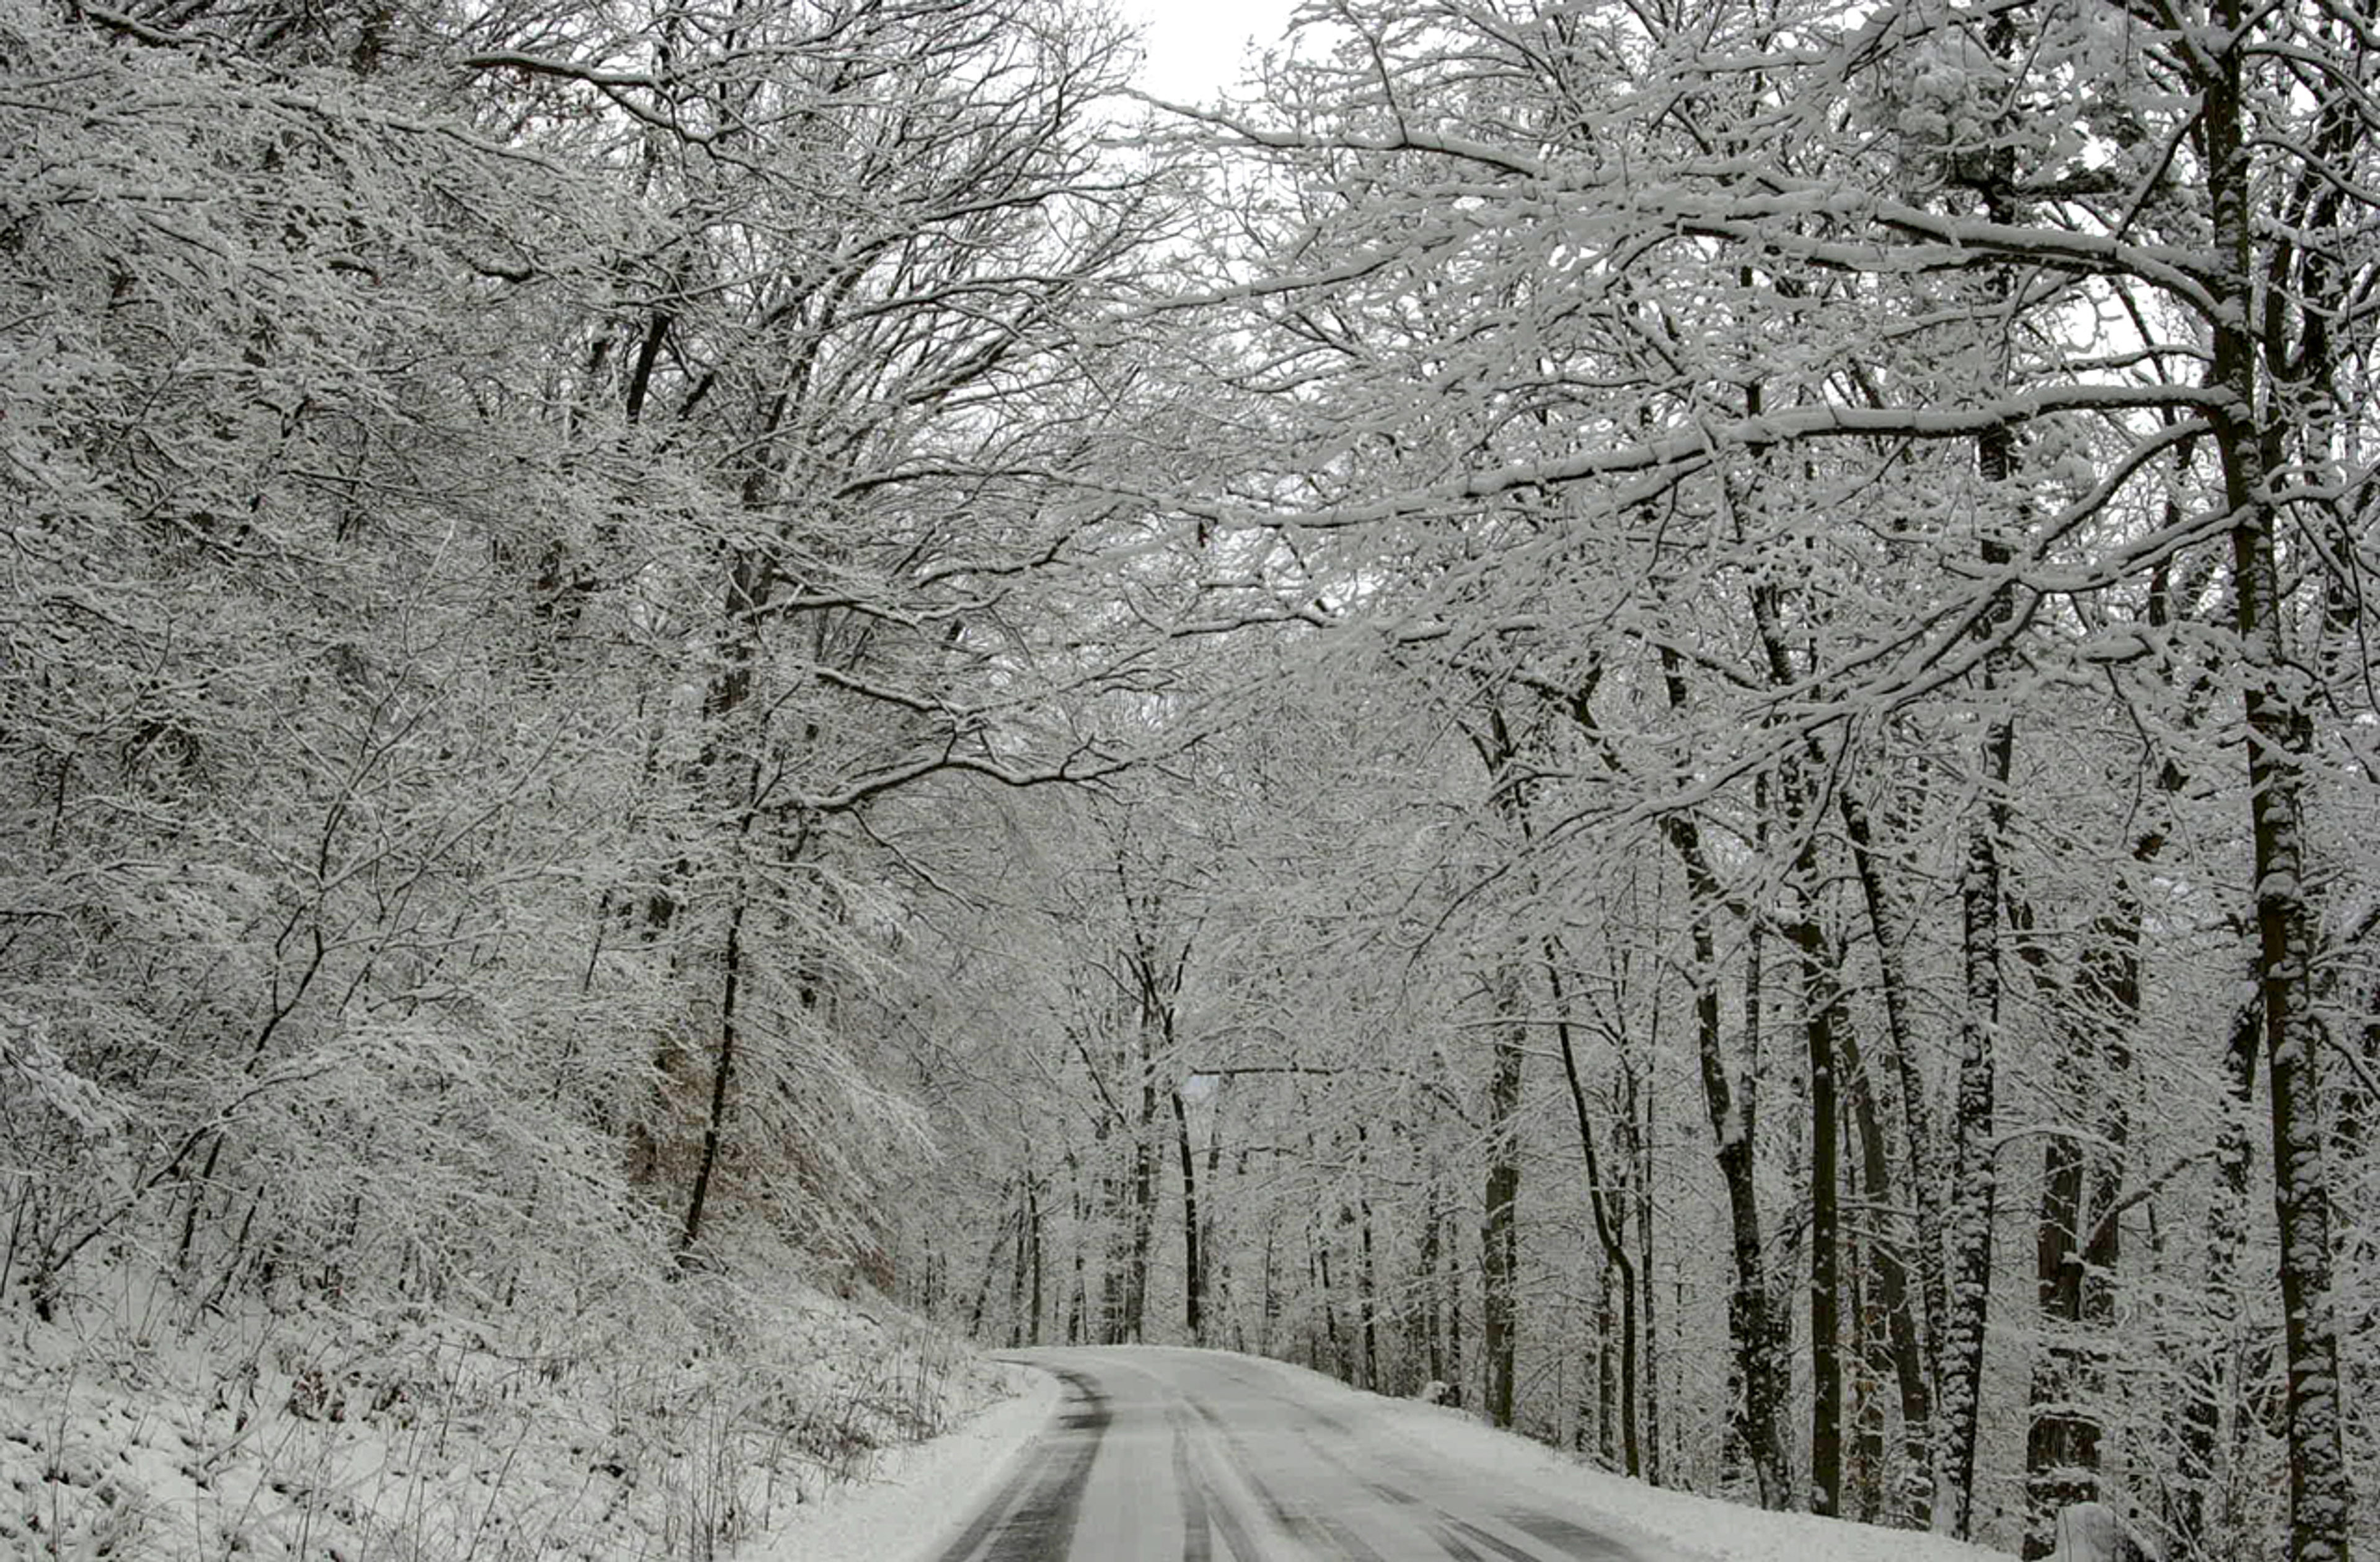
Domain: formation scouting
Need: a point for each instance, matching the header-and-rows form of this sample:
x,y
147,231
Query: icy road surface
x,y
1194,1456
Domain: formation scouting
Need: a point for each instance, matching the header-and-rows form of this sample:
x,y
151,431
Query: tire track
x,y
1576,1540
1242,1498
1459,1538
1032,1518
1197,1502
1453,1534
1321,1534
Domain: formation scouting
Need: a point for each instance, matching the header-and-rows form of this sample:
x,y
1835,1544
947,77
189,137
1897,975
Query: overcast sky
x,y
1194,45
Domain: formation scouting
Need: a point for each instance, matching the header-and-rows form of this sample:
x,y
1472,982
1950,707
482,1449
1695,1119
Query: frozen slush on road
x,y
1204,1456
1188,1454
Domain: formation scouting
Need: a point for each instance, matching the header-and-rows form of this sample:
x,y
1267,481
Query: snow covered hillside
x,y
672,1424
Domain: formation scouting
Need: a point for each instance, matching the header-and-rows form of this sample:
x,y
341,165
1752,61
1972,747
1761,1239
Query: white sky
x,y
1194,46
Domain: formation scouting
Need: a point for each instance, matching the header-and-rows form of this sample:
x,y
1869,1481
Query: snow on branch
x,y
1712,435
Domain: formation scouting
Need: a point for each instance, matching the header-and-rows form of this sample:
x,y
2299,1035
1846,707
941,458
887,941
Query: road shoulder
x,y
917,1496
1665,1523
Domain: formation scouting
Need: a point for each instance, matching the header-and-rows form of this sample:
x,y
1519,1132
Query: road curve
x,y
1198,1456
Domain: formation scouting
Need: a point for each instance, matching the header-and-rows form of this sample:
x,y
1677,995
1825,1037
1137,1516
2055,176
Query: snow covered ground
x,y
687,1423
914,1496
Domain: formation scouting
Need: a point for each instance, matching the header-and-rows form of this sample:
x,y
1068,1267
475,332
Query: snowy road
x,y
1203,1457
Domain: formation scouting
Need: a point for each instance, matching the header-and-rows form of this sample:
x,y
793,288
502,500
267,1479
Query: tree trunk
x,y
1886,1280
1033,1233
1454,1363
1915,1353
1818,1000
1758,1414
2079,1237
1022,1262
1143,1210
1113,1196
2280,728
1645,1372
1078,1300
1975,1190
1269,1313
990,1272
2211,1371
714,1129
1611,1224
2062,1439
1608,1419
1871,1361
1967,1299
1455,1315
1500,1236
1194,1274
1432,1288
1367,1297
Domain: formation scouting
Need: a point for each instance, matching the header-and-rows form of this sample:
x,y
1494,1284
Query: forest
x,y
1657,717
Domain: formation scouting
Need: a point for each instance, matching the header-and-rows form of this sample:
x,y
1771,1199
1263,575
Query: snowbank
x,y
917,1497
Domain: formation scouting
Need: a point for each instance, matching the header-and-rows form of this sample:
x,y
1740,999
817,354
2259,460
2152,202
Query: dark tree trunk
x,y
1318,1244
1819,991
1194,1273
1033,1235
1141,1210
1022,1262
1112,1193
1644,1372
1367,1297
1826,1292
1500,1236
2062,1439
1977,1186
1974,1199
2212,1369
1455,1364
2279,729
990,1271
1433,1286
1269,1313
1078,1299
1871,1363
714,1129
1758,1414
1610,1223
1915,1353
1608,1419
1886,1284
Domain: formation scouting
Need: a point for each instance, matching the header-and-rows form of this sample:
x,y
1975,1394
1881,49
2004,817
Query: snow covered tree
x,y
1643,271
